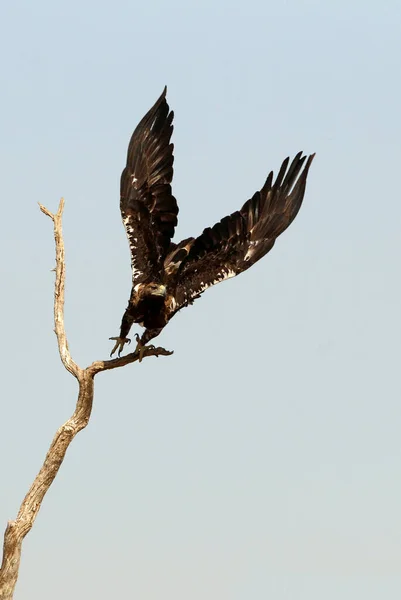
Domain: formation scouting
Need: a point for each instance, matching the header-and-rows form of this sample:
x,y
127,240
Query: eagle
x,y
167,276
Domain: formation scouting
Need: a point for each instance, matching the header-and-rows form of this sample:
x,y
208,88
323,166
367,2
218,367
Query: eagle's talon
x,y
141,347
120,343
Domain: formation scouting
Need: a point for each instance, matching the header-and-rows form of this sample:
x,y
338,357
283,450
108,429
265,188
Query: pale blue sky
x,y
263,459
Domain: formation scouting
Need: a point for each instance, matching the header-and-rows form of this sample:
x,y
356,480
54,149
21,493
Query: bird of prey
x,y
167,276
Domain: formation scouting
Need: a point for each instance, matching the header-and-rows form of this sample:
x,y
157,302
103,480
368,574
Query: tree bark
x,y
16,530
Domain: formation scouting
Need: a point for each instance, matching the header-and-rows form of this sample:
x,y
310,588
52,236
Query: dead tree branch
x,y
16,530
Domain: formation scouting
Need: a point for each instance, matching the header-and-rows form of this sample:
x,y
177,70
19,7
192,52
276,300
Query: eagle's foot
x,y
141,347
119,345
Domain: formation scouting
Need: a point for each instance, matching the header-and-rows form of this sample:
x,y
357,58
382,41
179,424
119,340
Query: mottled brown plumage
x,y
168,276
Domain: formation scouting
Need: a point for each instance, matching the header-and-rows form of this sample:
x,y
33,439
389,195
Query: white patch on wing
x,y
251,250
224,274
135,272
132,241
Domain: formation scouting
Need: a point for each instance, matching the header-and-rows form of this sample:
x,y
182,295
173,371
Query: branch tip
x,y
46,211
60,207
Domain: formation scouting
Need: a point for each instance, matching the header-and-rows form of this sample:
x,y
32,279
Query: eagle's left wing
x,y
148,208
239,240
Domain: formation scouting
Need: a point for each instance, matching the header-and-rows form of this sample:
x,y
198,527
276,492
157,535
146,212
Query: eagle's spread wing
x,y
241,239
148,208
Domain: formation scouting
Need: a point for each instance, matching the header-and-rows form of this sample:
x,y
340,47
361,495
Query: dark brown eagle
x,y
168,276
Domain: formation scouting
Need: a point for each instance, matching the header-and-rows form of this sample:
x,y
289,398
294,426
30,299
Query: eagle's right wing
x,y
239,240
148,208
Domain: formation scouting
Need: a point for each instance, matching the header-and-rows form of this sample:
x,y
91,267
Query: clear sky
x,y
263,459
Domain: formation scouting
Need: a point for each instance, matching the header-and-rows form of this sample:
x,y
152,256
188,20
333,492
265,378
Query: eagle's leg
x,y
122,339
142,341
119,345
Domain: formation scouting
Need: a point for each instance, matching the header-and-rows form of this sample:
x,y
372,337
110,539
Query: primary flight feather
x,y
168,276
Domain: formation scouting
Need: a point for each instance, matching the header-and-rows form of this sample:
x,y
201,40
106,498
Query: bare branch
x,y
59,287
106,365
17,530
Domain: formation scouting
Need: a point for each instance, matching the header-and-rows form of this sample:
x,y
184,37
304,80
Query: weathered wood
x,y
16,530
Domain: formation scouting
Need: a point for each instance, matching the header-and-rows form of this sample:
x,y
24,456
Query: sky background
x,y
263,459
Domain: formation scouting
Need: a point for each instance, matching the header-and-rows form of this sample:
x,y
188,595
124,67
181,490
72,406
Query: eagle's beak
x,y
160,291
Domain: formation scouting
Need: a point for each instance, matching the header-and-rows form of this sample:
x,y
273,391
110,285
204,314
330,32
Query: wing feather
x,y
148,208
241,239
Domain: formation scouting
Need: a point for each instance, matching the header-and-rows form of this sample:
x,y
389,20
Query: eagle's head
x,y
156,289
